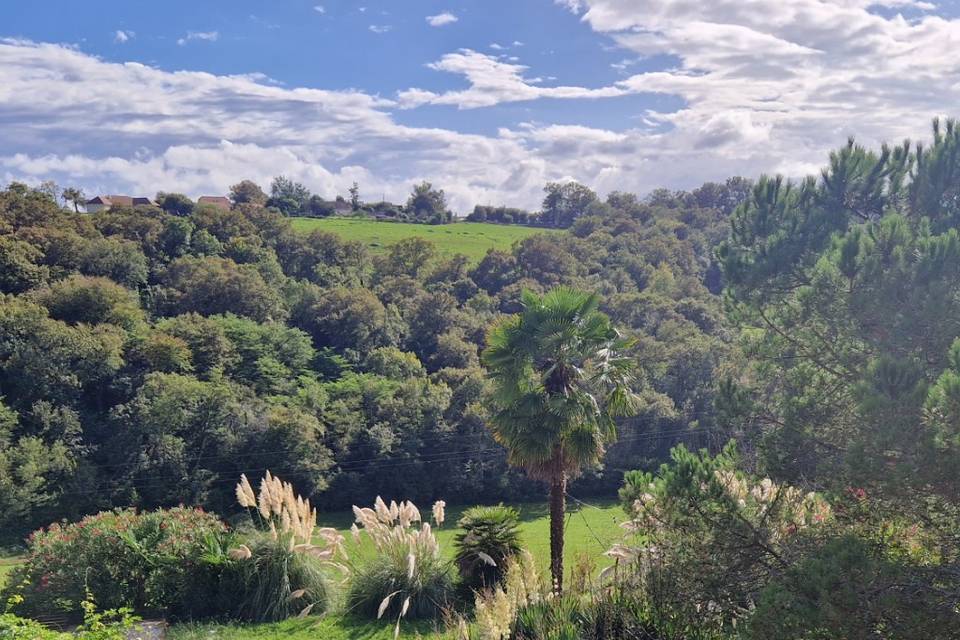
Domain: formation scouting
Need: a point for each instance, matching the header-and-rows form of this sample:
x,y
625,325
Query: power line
x,y
142,482
451,438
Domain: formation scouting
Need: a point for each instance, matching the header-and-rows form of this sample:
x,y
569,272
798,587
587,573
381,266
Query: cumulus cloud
x,y
442,19
493,80
379,28
121,36
116,127
795,76
319,8
206,36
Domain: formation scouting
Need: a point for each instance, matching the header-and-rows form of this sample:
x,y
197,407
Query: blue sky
x,y
297,45
487,98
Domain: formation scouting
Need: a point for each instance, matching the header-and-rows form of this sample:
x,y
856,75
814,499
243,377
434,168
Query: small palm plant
x,y
408,578
489,537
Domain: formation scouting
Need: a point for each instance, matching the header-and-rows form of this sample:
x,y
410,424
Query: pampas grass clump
x,y
280,571
407,578
274,582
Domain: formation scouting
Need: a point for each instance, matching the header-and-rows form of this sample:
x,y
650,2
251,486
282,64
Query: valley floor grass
x,y
589,531
328,627
472,239
7,564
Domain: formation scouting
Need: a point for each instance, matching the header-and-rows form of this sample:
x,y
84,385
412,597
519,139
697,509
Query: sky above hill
x,y
488,99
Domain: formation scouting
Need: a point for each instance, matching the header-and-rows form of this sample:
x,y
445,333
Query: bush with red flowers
x,y
152,562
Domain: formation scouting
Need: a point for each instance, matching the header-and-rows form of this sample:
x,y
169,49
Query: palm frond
x,y
560,378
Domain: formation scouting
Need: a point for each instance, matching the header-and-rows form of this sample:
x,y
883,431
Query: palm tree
x,y
560,380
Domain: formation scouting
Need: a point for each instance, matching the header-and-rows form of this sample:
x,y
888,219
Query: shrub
x,y
280,572
709,537
149,561
556,618
407,578
489,538
15,628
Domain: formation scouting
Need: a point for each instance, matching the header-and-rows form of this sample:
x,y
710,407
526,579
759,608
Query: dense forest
x,y
149,356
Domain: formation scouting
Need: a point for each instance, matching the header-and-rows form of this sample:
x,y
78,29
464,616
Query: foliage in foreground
x,y
274,582
113,624
717,551
523,608
710,538
333,626
846,290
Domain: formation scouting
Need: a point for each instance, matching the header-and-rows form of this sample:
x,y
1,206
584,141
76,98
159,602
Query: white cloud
x,y
497,47
380,28
319,8
121,36
206,36
493,81
441,19
574,6
799,75
144,130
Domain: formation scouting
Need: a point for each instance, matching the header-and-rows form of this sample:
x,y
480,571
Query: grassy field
x,y
330,627
589,531
6,566
472,239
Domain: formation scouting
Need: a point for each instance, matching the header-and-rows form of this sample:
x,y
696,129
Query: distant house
x,y
100,203
341,206
216,201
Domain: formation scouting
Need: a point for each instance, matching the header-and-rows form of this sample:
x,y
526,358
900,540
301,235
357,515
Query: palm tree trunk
x,y
558,507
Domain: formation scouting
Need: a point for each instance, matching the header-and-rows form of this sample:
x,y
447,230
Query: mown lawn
x,y
6,566
472,239
331,627
589,531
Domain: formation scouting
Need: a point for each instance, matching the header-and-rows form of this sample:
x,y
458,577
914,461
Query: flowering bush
x,y
408,577
149,561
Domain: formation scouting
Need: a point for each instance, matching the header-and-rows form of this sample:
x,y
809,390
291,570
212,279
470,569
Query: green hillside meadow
x,y
472,239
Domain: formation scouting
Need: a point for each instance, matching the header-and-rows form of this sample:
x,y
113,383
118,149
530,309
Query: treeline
x,y
148,357
566,202
290,198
